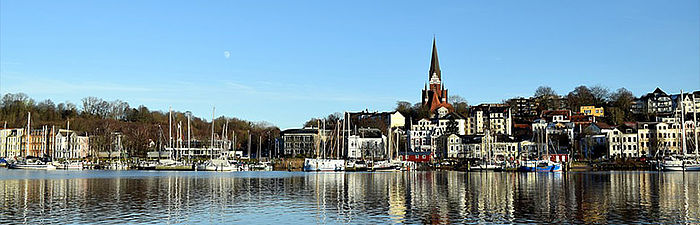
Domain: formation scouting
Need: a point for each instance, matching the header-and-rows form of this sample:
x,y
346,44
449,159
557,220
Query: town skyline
x,y
309,74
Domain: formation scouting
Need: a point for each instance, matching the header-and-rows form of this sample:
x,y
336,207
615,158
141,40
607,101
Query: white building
x,y
11,142
367,144
494,118
423,136
623,142
68,145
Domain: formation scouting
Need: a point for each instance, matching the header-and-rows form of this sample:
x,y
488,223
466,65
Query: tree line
x,y
142,129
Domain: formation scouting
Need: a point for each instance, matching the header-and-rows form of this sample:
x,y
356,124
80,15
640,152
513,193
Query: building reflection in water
x,y
350,198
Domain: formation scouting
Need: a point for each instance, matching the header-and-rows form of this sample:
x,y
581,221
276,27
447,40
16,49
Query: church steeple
x,y
435,95
434,64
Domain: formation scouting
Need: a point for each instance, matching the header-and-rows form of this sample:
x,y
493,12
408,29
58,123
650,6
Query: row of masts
x,y
338,141
695,123
223,145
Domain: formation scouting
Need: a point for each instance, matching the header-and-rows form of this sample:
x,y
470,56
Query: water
x,y
118,197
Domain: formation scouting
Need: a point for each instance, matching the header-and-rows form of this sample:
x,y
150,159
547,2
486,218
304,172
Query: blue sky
x,y
287,61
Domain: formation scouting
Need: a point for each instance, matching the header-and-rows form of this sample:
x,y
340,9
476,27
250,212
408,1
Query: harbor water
x,y
151,197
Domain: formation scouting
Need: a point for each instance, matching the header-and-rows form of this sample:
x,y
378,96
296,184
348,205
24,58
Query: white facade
x,y
623,143
11,142
424,135
486,120
659,138
68,145
366,147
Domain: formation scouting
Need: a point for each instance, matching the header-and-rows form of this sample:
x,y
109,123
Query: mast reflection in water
x,y
115,197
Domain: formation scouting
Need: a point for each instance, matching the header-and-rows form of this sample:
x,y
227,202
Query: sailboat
x,y
323,164
33,163
684,161
66,164
547,165
488,163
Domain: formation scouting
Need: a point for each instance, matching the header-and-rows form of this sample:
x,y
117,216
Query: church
x,y
434,93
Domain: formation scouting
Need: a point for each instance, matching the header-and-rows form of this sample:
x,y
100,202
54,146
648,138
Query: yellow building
x,y
592,111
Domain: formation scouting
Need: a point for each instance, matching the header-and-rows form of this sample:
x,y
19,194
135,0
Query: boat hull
x,y
551,168
324,165
32,167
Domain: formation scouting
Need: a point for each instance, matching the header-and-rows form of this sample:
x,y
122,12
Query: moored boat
x,y
32,164
323,165
216,165
548,166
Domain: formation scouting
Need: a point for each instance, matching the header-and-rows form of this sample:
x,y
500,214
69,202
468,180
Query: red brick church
x,y
435,97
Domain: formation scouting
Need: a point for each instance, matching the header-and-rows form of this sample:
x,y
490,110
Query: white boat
x,y
677,164
385,166
356,165
484,165
311,165
31,164
216,165
118,166
264,166
69,165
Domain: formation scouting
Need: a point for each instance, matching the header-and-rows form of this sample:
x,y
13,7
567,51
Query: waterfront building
x,y
593,141
434,94
423,136
623,142
591,110
305,141
453,145
658,138
656,102
419,157
11,142
499,147
392,119
69,145
549,135
366,143
503,147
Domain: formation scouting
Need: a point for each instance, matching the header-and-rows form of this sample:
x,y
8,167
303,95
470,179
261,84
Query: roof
x,y
452,116
555,112
627,129
581,118
414,153
505,138
656,92
491,108
602,125
300,131
522,126
471,139
434,63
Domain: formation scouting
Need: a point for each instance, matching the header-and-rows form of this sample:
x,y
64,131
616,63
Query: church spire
x,y
434,64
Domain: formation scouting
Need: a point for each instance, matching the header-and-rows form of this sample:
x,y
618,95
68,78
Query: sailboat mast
x,y
211,155
188,131
170,127
683,149
388,146
29,133
318,144
249,144
695,124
